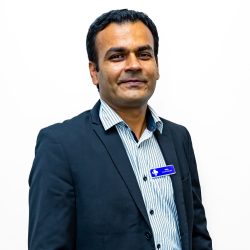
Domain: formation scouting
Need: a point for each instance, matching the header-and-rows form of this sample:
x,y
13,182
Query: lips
x,y
132,80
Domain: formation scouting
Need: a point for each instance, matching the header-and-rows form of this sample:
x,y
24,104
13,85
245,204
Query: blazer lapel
x,y
167,147
117,153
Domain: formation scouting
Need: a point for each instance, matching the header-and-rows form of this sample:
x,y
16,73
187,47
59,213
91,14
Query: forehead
x,y
128,35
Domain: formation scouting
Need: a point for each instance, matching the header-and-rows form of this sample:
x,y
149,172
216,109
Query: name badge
x,y
163,171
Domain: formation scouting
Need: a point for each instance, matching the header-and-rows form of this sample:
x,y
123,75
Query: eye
x,y
116,57
145,55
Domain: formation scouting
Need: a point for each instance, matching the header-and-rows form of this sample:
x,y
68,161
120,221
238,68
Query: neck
x,y
135,118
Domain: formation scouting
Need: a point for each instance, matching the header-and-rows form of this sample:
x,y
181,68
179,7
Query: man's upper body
x,y
117,176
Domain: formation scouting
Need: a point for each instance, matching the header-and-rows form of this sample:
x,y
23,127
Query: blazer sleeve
x,y
200,236
51,198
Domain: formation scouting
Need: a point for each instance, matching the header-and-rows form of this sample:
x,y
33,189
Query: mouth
x,y
132,81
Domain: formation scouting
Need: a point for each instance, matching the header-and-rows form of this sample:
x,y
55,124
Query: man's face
x,y
128,70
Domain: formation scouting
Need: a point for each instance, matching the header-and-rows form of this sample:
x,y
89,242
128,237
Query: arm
x,y
200,236
51,198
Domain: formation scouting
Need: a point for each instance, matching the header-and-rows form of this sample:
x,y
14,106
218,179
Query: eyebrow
x,y
146,47
123,49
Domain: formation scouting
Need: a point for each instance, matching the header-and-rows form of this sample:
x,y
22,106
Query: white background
x,y
204,61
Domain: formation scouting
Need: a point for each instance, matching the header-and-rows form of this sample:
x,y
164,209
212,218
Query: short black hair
x,y
117,16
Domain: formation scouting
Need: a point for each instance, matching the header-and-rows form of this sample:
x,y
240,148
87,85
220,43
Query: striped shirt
x,y
157,193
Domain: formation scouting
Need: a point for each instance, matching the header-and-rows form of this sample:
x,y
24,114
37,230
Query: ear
x,y
93,73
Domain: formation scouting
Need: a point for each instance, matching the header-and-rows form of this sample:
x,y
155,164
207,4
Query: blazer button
x,y
148,235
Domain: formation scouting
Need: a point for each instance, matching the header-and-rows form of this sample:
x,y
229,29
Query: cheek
x,y
154,76
157,74
111,73
107,82
152,70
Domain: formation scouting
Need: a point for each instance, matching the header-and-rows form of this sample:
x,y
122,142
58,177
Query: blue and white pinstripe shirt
x,y
157,193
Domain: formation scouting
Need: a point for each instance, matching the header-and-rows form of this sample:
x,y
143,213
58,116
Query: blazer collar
x,y
118,155
95,113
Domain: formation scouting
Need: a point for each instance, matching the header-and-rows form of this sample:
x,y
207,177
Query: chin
x,y
135,101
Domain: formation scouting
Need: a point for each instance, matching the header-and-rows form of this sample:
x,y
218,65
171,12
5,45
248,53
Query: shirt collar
x,y
110,118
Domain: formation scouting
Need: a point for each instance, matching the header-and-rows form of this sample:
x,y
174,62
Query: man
x,y
117,176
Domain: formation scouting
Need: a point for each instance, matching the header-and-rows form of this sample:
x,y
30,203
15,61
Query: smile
x,y
132,81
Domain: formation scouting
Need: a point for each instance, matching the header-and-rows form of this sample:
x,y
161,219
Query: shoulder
x,y
173,128
179,134
69,129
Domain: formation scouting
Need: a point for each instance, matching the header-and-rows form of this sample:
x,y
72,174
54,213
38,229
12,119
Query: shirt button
x,y
145,178
148,235
158,246
151,211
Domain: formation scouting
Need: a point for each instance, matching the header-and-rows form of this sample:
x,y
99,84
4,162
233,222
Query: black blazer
x,y
84,194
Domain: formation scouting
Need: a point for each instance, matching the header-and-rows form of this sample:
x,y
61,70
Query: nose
x,y
132,63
